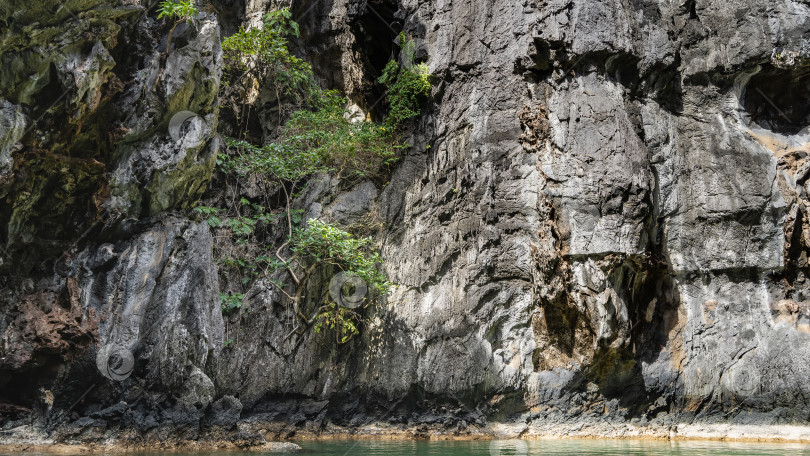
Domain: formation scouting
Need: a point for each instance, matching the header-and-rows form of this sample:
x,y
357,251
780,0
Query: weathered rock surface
x,y
93,287
603,218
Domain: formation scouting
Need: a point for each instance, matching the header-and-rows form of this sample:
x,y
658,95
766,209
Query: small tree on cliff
x,y
180,11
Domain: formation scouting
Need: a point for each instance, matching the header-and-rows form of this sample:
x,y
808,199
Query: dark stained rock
x,y
224,412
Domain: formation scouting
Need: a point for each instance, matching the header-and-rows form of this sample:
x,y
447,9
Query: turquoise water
x,y
516,448
546,447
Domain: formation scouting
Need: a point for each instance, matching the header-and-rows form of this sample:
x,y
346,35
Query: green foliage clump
x,y
317,137
323,243
320,138
407,87
316,244
246,260
277,160
362,149
230,302
210,214
339,319
179,11
263,53
408,84
241,226
315,141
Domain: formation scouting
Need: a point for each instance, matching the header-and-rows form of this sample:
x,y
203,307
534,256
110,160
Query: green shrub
x,y
179,11
319,138
230,302
278,160
314,139
210,214
339,319
247,259
264,54
363,149
407,89
323,243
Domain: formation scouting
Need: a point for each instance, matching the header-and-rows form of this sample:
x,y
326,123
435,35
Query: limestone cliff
x,y
601,224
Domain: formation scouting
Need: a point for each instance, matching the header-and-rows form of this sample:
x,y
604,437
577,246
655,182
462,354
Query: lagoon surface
x,y
510,448
546,447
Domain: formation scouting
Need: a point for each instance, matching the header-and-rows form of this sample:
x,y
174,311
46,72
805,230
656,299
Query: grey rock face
x,y
168,157
611,208
352,205
602,217
225,412
159,299
88,152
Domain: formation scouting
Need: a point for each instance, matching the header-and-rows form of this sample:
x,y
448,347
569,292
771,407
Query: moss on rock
x,y
52,199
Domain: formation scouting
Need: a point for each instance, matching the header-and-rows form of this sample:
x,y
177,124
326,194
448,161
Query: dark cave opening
x,y
49,97
691,6
779,99
24,391
376,29
230,14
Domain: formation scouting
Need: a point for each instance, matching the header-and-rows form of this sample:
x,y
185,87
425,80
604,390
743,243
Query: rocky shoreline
x,y
26,440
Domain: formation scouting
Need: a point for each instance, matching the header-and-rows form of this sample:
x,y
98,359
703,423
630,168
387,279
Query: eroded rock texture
x,y
610,212
88,169
603,218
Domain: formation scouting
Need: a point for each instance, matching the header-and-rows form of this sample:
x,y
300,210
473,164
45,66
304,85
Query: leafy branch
x,y
262,54
317,137
178,10
339,319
